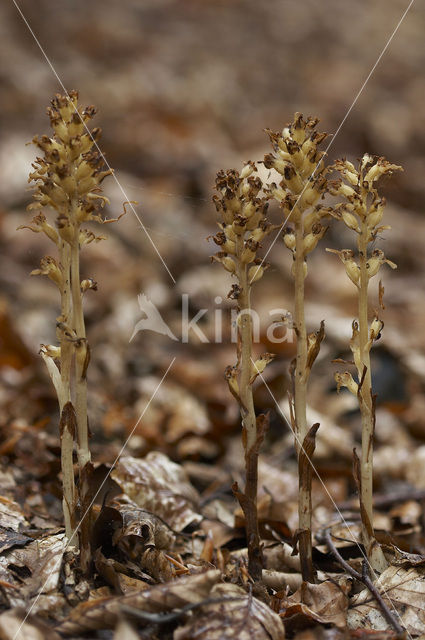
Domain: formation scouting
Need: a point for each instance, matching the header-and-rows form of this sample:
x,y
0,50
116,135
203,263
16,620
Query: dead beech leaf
x,y
112,571
157,565
186,414
278,580
10,538
325,603
403,558
157,484
243,618
32,629
401,588
40,561
103,613
125,631
11,515
279,557
407,513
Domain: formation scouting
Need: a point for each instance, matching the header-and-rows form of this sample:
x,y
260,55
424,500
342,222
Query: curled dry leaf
x,y
103,613
402,589
149,529
138,535
157,484
156,563
325,603
243,617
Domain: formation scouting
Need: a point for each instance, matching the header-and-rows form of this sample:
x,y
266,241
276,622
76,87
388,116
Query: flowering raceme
x,y
362,211
67,179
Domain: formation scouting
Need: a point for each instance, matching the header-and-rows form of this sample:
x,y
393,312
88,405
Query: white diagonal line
x,y
97,492
94,141
341,124
343,520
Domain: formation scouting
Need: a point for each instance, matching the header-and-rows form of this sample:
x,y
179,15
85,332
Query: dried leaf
x,y
125,631
403,558
157,564
136,533
175,412
11,515
14,352
116,574
32,629
10,539
322,633
242,618
279,557
157,484
103,613
40,562
138,523
402,589
325,603
278,580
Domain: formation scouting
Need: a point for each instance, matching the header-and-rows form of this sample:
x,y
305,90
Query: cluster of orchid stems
x,y
362,212
67,179
242,206
300,188
302,173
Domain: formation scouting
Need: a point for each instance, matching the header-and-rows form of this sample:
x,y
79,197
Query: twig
x,y
366,580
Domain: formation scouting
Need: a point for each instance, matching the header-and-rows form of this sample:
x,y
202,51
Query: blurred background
x,y
185,88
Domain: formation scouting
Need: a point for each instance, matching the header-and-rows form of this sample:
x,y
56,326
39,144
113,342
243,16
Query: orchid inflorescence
x,y
67,178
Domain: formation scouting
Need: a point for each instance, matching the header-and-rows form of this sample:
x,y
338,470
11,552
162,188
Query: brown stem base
x,y
255,554
305,477
86,496
248,502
